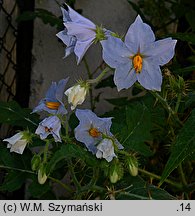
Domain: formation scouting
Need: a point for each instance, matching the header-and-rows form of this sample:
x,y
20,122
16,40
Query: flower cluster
x,y
95,133
136,58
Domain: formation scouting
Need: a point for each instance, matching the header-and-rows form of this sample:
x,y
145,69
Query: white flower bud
x,y
17,143
42,177
76,95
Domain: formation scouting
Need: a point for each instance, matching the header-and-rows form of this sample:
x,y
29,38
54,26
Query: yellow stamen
x,y
137,63
94,132
52,105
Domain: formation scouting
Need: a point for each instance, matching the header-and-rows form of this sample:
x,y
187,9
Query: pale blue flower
x,y
105,149
139,57
17,143
92,130
50,125
81,28
68,40
52,102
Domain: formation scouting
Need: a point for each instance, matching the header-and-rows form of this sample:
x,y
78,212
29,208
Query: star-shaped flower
x,y
52,102
139,57
50,125
92,131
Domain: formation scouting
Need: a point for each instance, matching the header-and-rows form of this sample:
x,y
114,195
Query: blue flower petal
x,y
68,40
150,77
80,31
76,17
124,76
66,16
81,48
162,50
51,92
115,51
60,89
138,35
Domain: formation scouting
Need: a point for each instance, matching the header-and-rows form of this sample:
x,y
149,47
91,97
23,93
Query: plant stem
x,y
182,175
74,178
45,151
90,76
175,184
98,78
17,169
178,103
31,172
167,107
62,184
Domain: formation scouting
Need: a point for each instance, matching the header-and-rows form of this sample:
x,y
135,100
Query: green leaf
x,y
190,19
11,113
132,125
184,70
13,181
183,147
37,190
140,190
189,37
46,16
70,151
118,101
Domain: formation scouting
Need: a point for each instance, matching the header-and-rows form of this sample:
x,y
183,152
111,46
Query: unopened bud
x,y
42,177
116,172
35,162
76,94
132,164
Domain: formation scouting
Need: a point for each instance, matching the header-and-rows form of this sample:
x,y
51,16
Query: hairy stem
x,y
175,184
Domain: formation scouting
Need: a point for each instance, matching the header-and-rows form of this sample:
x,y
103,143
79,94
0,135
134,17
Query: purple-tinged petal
x,y
83,136
124,76
162,50
150,77
115,51
81,48
60,89
81,32
76,17
50,125
66,16
107,149
138,35
51,92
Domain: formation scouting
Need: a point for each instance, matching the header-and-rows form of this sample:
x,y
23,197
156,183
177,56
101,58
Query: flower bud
x,y
42,177
132,164
76,94
18,142
116,172
35,162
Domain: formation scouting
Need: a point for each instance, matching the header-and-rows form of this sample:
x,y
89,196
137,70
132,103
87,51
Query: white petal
x,y
12,140
19,146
